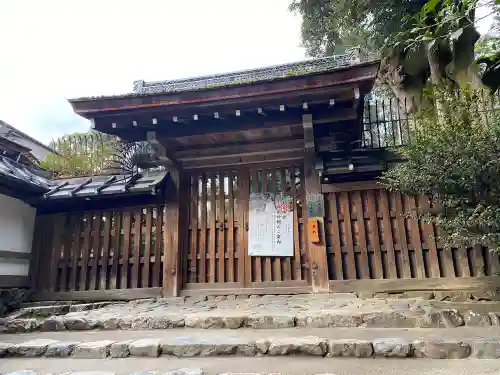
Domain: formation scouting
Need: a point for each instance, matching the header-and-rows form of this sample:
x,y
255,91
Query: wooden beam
x,y
312,183
350,186
163,153
175,228
240,149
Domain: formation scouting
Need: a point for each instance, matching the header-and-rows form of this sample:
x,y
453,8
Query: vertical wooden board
x,y
96,249
193,213
57,243
86,250
114,276
463,262
494,263
137,248
155,279
478,261
221,230
430,240
203,232
346,213
245,262
76,252
400,220
297,264
415,236
106,241
147,247
286,262
374,236
230,230
335,241
364,267
124,277
267,274
37,251
213,227
388,239
66,255
275,261
256,260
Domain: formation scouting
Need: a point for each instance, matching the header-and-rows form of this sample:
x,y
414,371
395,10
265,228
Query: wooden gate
x,y
216,255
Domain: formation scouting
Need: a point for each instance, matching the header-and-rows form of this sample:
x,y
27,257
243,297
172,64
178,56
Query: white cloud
x,y
56,49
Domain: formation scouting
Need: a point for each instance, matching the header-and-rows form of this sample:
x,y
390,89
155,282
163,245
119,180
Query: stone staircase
x,y
314,326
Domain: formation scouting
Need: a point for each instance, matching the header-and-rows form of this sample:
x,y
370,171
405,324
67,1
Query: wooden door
x,y
216,255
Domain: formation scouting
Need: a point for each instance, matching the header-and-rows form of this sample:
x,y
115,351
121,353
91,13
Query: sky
x,y
52,50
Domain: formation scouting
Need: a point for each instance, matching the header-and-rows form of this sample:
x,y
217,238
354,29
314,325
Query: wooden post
x,y
174,233
312,184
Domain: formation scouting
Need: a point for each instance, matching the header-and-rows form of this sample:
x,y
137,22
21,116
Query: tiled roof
x,y
88,187
18,172
300,68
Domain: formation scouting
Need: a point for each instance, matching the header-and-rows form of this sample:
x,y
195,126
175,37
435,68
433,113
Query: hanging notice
x,y
270,231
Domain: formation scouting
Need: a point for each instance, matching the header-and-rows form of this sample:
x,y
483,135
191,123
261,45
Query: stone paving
x,y
257,312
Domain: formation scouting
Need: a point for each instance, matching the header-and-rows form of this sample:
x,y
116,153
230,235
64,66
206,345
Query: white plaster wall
x,y
17,223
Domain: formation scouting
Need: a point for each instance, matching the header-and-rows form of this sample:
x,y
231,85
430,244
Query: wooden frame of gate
x,y
216,256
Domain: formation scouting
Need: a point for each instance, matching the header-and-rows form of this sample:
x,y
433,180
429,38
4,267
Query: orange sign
x,y
313,230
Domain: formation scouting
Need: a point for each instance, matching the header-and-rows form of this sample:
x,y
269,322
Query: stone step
x,y
458,343
320,311
248,366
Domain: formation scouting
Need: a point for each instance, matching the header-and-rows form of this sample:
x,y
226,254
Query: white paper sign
x,y
270,231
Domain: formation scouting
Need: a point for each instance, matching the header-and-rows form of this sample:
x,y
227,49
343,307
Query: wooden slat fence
x,y
100,250
369,236
217,243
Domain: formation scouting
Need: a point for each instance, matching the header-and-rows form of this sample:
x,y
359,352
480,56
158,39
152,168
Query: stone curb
x,y
288,346
74,321
180,371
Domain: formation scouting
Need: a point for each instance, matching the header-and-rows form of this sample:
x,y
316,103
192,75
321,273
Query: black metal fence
x,y
389,122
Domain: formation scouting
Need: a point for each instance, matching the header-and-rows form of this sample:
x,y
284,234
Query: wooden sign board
x,y
315,205
270,231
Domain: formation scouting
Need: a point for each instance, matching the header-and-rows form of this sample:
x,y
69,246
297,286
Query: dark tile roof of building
x,y
20,173
119,184
296,69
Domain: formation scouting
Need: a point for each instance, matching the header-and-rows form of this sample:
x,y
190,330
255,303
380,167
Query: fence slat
x,y
377,265
256,260
415,237
346,213
105,252
127,222
193,208
267,260
286,263
221,230
76,253
230,233
114,276
66,256
203,233
96,250
137,247
388,240
275,261
147,247
158,247
297,264
242,193
85,251
213,228
430,239
59,225
364,267
405,257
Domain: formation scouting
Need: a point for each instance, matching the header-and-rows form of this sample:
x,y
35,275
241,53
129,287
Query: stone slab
x,y
350,348
391,347
486,348
60,349
32,348
314,346
93,350
441,349
145,348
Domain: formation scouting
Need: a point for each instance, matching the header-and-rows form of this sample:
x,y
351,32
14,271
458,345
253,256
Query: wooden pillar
x,y
316,243
175,212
